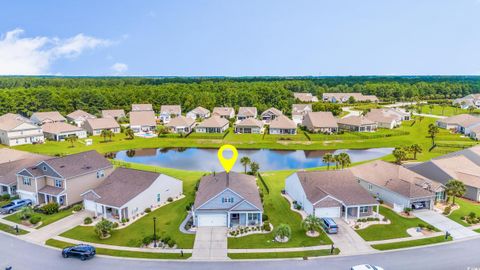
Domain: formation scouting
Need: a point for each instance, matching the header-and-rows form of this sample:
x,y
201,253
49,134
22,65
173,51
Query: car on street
x,y
80,251
366,267
14,206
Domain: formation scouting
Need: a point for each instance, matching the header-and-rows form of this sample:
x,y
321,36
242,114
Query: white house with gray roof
x,y
18,130
167,112
283,125
199,113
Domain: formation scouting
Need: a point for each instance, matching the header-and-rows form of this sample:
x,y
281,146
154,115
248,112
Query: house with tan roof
x,y
60,131
268,115
214,124
79,117
398,186
382,119
305,97
126,193
331,194
461,123
143,121
345,97
199,113
142,107
227,200
249,125
95,126
167,112
18,130
357,123
63,179
299,111
181,124
283,125
40,118
472,100
115,114
246,112
224,112
323,122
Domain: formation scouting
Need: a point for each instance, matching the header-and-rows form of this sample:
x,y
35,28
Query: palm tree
x,y
433,131
245,161
471,109
72,139
129,133
105,134
415,149
336,159
111,134
254,167
311,224
431,106
455,188
328,158
283,232
344,160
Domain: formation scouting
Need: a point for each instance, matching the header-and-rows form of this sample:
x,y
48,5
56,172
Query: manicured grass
x,y
279,255
466,207
45,219
169,217
9,229
396,229
123,253
278,210
444,111
477,230
412,243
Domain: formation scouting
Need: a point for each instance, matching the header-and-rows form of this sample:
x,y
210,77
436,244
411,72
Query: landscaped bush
x,y
115,225
5,197
447,210
298,207
171,243
283,232
50,208
125,220
103,228
77,207
421,225
170,199
148,210
264,217
147,240
166,239
25,213
35,219
87,220
266,226
430,227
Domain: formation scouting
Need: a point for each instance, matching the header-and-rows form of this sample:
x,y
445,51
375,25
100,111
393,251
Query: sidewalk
x,y
396,240
13,224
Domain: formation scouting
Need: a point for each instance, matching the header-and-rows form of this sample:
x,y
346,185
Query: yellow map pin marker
x,y
227,163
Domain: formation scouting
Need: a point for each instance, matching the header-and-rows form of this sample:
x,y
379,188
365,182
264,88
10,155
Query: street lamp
x,y
154,231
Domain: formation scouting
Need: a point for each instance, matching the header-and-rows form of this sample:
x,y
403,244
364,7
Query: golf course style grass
x,y
412,243
282,255
466,207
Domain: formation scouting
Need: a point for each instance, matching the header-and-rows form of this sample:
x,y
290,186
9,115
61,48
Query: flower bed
x,y
244,231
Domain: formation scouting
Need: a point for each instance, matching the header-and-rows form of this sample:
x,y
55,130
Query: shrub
x,y
170,199
171,243
283,231
125,220
77,208
472,215
148,210
430,227
357,227
87,220
385,219
115,225
50,208
103,228
462,218
266,226
35,219
298,207
264,218
421,225
25,213
407,210
380,201
5,197
447,210
165,239
147,240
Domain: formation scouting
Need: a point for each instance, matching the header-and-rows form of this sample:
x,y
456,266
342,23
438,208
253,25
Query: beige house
x,y
59,131
345,97
64,179
283,125
224,112
199,113
270,114
246,112
142,121
40,118
214,124
167,112
323,122
461,123
115,114
382,119
18,130
96,125
249,125
79,117
142,107
181,124
305,97
357,123
299,111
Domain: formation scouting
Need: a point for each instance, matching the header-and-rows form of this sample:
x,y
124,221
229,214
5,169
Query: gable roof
x,y
460,168
305,97
103,123
214,121
113,113
181,121
224,111
10,121
9,169
283,122
320,120
79,114
142,118
247,111
273,111
301,107
250,122
200,110
54,116
461,120
355,121
346,96
59,127
142,107
380,116
171,109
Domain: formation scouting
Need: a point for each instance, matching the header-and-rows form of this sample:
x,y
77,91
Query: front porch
x,y
236,219
114,213
6,189
360,211
44,198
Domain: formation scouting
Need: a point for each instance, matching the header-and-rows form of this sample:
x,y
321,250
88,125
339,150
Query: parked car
x,y
81,251
365,267
329,225
15,205
418,205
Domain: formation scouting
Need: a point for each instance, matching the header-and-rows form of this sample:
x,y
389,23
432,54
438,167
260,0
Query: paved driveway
x,y
210,244
445,224
348,241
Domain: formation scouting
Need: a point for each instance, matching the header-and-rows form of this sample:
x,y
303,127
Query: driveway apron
x,y
210,244
348,241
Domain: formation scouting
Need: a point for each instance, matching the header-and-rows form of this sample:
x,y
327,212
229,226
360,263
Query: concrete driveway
x,y
210,244
348,241
445,224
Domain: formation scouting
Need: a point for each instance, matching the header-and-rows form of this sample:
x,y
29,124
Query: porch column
x,y
346,214
9,190
246,219
104,210
119,214
378,209
358,212
45,198
228,219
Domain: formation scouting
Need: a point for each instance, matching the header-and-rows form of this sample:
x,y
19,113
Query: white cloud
x,y
119,68
34,56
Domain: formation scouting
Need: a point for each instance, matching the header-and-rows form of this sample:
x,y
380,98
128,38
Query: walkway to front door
x,y
210,244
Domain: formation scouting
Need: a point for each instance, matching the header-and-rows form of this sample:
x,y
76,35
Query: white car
x,y
365,267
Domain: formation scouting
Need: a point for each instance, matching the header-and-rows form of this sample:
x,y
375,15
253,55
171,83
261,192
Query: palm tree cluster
x,y
254,166
107,133
341,160
401,153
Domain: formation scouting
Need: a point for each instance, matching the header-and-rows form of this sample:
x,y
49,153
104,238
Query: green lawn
x,y
279,255
123,253
466,207
396,229
278,210
9,229
169,217
46,219
444,111
413,243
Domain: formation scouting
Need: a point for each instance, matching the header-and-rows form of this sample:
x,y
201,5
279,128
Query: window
x,y
27,181
58,183
227,200
370,187
44,168
100,173
158,197
364,209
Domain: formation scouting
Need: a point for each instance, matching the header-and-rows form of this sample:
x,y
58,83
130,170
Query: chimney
x,y
228,179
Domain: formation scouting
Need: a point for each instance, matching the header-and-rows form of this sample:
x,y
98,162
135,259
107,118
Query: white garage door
x,y
331,212
89,205
212,220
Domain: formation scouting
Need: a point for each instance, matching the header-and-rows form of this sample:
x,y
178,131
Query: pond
x,y
200,159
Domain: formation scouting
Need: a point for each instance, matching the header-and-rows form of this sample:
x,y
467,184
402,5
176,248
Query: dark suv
x,y
82,251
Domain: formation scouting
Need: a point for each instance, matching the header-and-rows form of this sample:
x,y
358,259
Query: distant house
x,y
249,125
472,100
18,130
59,131
126,193
167,112
199,113
299,111
142,107
97,125
181,124
142,121
214,124
270,114
398,186
345,97
41,118
224,112
399,114
283,125
323,122
382,119
246,112
461,123
331,194
357,123
115,114
64,179
227,200
305,97
475,133
79,117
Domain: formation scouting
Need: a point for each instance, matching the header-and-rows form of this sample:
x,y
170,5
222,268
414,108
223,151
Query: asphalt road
x,y
22,255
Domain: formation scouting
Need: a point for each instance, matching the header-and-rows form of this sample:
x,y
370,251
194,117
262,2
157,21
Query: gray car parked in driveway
x,y
14,206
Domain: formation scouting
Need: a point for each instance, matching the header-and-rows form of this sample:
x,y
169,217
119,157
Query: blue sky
x,y
240,38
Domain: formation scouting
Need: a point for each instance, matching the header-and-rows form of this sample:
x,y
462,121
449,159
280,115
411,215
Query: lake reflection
x,y
198,159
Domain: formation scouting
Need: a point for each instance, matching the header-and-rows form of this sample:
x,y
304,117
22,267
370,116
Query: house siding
x,y
78,185
216,203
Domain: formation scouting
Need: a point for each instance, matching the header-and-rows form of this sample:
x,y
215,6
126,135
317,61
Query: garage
x,y
89,205
212,220
418,205
331,212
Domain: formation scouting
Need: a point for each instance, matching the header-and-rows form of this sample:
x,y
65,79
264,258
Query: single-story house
x,y
167,112
59,131
398,186
459,123
332,194
142,121
199,112
399,114
345,97
305,97
299,111
214,124
126,193
323,122
227,200
246,112
40,118
96,125
270,114
79,117
115,114
181,124
283,125
142,107
357,123
224,112
472,100
249,125
382,119
475,133
17,130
